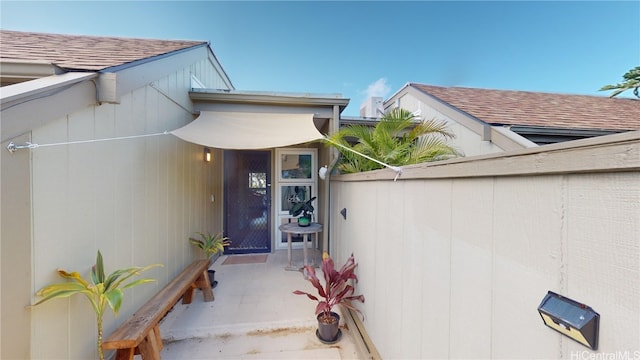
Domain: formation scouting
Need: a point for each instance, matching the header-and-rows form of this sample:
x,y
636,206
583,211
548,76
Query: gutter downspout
x,y
325,237
333,127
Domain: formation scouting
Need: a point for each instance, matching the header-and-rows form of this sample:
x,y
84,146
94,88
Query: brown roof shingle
x,y
79,52
526,108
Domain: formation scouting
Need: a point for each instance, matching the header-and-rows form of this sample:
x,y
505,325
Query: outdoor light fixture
x,y
323,172
571,318
207,155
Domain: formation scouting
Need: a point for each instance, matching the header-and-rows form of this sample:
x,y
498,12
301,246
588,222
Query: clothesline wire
x,y
13,147
397,169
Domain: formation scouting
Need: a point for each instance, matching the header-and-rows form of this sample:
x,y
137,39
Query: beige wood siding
x,y
210,74
136,200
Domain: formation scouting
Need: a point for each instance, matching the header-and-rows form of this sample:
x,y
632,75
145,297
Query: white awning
x,y
242,130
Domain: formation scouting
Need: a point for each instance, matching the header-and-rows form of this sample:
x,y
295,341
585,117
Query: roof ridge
x,y
86,52
522,91
99,36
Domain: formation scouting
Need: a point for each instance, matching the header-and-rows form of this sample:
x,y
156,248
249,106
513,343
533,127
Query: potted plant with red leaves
x,y
336,291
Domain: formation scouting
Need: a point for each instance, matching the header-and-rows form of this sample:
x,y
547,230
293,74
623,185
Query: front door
x,y
247,187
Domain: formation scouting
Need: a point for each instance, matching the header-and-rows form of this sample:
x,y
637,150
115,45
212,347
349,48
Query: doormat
x,y
245,259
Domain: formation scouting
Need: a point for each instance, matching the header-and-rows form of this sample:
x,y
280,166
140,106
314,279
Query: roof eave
x,y
548,135
251,98
25,91
545,130
14,70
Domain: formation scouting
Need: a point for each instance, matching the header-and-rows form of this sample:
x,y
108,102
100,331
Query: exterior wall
x,y
15,252
467,140
454,265
135,200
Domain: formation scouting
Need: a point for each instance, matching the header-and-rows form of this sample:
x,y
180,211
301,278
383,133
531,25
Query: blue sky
x,y
373,48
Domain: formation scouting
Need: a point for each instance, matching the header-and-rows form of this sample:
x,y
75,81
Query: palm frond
x,y
632,82
397,139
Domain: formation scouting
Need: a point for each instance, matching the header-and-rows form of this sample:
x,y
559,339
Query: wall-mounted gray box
x,y
571,318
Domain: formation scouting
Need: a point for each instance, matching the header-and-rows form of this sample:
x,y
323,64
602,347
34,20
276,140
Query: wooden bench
x,y
140,334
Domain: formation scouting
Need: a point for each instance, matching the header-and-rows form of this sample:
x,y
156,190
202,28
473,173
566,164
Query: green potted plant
x,y
303,208
336,291
210,245
101,290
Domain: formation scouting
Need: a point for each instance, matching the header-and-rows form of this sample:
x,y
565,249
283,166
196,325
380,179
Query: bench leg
x,y
205,285
201,283
187,297
156,330
125,354
149,348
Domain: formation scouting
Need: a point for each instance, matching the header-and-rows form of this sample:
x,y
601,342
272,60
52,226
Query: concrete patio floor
x,y
254,316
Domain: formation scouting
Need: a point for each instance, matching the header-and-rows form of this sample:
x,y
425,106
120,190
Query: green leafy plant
x,y
302,207
337,290
210,244
397,139
631,82
101,290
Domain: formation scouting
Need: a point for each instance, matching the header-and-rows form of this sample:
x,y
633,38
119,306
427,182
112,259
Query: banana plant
x,y
101,290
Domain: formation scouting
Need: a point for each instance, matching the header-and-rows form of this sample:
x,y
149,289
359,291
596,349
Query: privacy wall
x,y
455,257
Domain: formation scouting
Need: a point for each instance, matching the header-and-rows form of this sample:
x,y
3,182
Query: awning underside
x,y
242,130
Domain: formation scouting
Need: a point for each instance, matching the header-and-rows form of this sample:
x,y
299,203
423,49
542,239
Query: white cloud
x,y
378,88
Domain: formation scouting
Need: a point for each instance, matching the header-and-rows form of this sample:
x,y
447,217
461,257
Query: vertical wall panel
x,y
528,232
81,237
50,222
471,268
411,238
103,156
436,280
127,160
390,264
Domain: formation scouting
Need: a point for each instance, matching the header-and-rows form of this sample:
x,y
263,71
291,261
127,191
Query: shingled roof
x,y
524,108
84,53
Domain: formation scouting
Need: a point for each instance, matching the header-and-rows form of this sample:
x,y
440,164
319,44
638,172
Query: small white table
x,y
294,228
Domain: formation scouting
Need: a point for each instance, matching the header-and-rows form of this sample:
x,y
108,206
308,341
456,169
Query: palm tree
x,y
632,81
397,139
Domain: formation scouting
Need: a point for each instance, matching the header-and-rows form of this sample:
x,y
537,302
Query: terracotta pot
x,y
328,328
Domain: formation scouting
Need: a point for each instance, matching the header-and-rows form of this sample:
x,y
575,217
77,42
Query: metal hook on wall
x,y
12,147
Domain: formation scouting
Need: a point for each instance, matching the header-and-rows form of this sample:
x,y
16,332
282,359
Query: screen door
x,y
247,187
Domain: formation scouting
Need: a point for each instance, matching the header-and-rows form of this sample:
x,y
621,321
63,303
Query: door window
x,y
297,180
